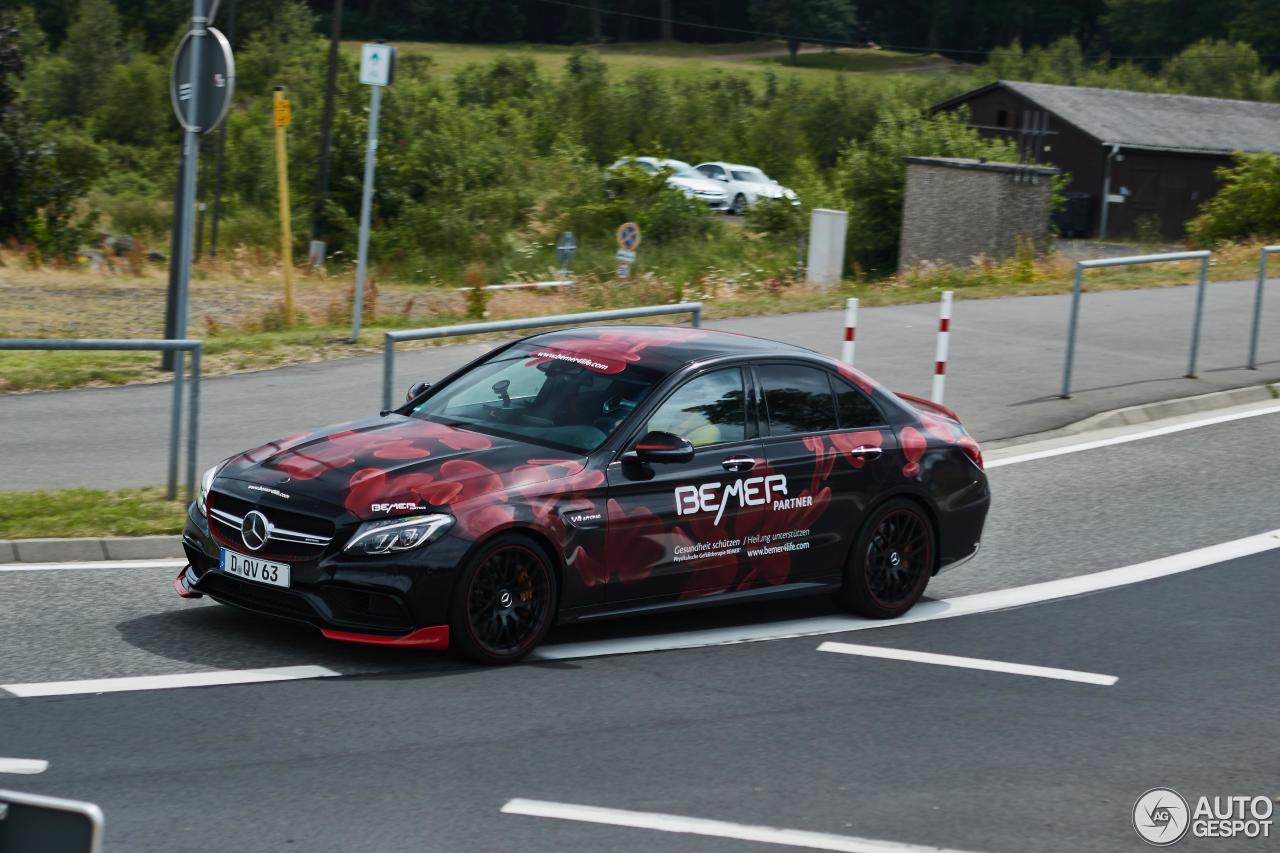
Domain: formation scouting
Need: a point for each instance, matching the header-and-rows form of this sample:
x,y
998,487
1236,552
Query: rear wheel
x,y
503,602
891,561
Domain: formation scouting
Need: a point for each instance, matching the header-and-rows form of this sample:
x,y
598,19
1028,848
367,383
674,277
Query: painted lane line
x,y
25,766
715,828
969,663
95,564
925,611
168,682
1124,439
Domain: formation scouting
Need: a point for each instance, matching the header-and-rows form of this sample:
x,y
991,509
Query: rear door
x,y
828,440
675,529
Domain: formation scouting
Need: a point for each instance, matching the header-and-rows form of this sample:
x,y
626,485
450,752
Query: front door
x,y
677,529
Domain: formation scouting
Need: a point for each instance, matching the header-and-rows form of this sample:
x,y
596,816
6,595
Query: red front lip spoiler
x,y
430,637
181,588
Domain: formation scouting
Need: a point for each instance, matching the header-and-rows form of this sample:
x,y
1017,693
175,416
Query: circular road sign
x,y
216,80
628,236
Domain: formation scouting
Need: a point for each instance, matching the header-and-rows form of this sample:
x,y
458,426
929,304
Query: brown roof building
x,y
1152,155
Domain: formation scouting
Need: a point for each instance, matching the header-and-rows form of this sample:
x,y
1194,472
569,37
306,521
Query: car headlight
x,y
388,535
206,483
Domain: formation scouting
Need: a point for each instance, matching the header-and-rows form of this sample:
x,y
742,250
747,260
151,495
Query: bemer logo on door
x,y
714,497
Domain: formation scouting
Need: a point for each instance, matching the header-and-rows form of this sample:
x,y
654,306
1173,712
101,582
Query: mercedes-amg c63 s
x,y
587,473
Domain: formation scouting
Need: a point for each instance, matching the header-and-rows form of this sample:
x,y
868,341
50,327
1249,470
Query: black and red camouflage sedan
x,y
588,473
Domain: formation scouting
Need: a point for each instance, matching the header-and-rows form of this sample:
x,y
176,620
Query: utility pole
x,y
280,107
222,146
317,249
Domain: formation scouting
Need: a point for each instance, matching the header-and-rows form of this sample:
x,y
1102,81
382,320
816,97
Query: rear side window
x,y
856,409
797,398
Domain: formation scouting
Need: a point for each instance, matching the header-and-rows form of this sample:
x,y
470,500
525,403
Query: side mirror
x,y
662,447
724,178
417,389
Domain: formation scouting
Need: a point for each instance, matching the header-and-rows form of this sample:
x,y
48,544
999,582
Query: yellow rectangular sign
x,y
283,112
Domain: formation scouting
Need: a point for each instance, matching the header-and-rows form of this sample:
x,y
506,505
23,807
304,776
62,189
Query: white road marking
x,y
969,663
167,682
25,766
94,564
925,611
715,828
1124,439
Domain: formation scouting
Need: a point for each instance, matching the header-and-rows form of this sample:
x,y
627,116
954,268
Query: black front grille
x,y
257,597
280,518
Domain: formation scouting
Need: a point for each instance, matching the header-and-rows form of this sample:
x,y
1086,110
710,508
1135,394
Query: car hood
x,y
698,184
395,464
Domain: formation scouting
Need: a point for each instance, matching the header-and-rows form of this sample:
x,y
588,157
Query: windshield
x,y
752,176
562,398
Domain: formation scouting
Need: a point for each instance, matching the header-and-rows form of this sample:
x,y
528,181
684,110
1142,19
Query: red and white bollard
x,y
850,330
940,359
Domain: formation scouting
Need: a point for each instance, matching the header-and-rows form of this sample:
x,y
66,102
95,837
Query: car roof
x,y
666,348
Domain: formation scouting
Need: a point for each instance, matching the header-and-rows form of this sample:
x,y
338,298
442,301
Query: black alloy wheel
x,y
739,204
502,606
891,562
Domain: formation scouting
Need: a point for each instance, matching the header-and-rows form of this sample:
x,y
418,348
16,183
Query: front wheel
x,y
891,562
503,603
739,204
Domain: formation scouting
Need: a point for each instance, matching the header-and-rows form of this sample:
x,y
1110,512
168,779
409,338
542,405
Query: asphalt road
x,y
1005,369
421,752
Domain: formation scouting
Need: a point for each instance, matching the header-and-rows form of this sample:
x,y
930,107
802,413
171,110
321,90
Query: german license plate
x,y
254,568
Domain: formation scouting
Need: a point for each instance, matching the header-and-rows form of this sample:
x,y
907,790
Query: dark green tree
x,y
805,20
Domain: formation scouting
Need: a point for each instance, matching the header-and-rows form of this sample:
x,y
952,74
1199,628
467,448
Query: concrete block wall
x,y
956,209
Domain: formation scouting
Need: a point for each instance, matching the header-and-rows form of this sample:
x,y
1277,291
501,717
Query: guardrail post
x,y
1076,291
850,330
193,422
1264,253
1195,323
695,316
388,369
175,425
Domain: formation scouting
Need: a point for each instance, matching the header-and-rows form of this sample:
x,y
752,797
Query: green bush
x,y
871,175
1248,205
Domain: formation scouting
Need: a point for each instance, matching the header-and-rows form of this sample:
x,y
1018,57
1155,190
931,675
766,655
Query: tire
x,y
738,205
483,627
891,561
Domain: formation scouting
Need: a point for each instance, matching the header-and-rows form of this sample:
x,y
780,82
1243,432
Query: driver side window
x,y
708,409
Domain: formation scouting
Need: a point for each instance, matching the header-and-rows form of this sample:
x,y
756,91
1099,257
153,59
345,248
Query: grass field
x,y
755,57
89,512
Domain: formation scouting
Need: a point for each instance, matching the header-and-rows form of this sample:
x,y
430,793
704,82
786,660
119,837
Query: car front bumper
x,y
395,601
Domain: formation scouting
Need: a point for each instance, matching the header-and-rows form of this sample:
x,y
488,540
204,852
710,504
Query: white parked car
x,y
744,185
684,178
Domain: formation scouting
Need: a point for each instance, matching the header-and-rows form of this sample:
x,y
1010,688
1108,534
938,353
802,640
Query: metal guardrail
x,y
1263,254
391,338
175,419
1201,255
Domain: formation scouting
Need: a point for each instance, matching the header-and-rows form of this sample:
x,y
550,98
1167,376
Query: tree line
x,y
1148,30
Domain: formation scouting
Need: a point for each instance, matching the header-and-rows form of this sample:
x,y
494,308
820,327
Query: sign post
x,y
628,242
377,69
283,116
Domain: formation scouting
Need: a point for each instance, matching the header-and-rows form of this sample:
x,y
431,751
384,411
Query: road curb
x,y
89,549
1149,412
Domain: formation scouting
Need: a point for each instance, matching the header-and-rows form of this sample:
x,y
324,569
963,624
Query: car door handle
x,y
866,451
739,463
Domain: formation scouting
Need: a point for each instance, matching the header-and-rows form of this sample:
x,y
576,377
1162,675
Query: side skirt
x,y
786,590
